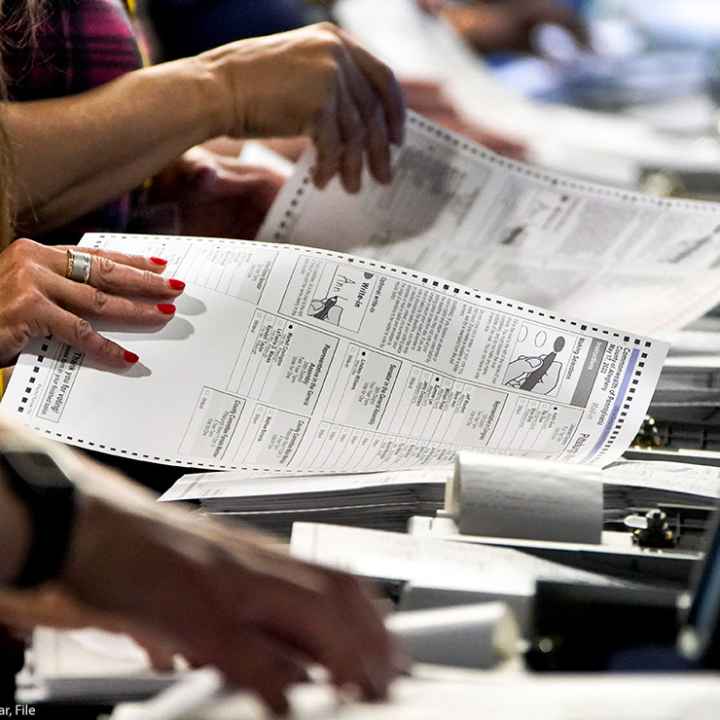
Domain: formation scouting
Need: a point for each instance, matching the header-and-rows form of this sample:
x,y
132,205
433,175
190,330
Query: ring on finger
x,y
79,266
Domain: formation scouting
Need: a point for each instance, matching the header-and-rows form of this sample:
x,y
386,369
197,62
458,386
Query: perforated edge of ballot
x,y
605,378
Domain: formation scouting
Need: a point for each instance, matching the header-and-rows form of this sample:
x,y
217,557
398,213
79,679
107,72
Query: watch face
x,y
37,468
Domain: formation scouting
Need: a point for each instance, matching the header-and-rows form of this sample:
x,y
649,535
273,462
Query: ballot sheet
x,y
272,502
455,209
284,358
251,486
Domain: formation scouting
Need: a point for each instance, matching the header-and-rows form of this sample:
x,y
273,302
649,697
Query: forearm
x,y
78,152
86,195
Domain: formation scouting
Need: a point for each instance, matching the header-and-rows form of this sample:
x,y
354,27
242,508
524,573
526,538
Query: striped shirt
x,y
81,45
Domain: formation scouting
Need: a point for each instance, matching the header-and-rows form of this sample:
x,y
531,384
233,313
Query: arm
x,y
315,81
218,595
109,140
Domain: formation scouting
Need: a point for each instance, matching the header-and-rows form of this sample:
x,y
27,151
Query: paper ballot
x,y
292,359
385,500
458,210
258,489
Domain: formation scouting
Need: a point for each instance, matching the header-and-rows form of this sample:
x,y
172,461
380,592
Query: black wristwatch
x,y
45,490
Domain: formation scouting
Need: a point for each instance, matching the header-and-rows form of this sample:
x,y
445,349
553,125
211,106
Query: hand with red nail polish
x,y
38,300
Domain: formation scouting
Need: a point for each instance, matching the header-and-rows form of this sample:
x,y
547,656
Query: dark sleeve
x,y
188,27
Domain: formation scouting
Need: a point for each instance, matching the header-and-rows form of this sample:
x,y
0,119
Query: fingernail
x,y
158,261
166,308
130,357
176,284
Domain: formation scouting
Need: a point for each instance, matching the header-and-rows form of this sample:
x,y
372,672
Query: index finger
x,y
316,624
385,84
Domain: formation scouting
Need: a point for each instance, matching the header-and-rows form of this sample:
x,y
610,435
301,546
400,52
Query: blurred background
x,y
620,91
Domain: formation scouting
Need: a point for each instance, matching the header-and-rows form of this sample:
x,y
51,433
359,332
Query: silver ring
x,y
79,266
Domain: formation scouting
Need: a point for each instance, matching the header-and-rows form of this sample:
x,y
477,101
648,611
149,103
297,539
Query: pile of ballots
x,y
382,500
503,497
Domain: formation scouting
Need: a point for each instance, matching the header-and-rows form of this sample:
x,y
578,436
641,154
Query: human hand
x,y
215,594
428,98
217,195
510,26
316,81
38,300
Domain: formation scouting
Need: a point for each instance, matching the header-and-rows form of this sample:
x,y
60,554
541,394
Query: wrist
x,y
90,541
192,94
220,97
104,553
119,552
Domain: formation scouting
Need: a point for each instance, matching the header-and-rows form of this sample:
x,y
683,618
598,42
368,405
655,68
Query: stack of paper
x,y
630,485
88,665
383,501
